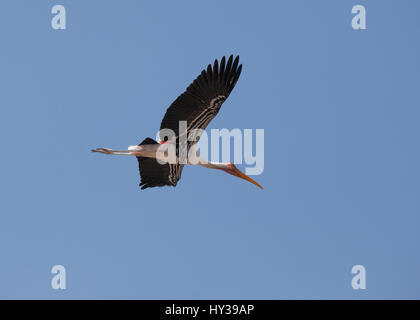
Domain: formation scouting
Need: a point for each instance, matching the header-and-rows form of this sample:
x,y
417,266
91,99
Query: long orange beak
x,y
238,173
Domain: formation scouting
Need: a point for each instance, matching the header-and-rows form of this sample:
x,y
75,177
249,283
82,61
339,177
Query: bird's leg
x,y
148,151
110,151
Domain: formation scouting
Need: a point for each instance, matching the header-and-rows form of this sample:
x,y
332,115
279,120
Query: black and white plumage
x,y
197,106
154,174
202,100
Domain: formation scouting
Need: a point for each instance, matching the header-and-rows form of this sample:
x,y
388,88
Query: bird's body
x,y
196,107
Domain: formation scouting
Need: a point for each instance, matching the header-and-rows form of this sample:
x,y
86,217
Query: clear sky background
x,y
340,110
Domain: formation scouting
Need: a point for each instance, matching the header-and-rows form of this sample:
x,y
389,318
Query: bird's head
x,y
231,169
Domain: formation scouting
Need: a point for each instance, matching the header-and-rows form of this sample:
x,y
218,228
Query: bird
x,y
197,106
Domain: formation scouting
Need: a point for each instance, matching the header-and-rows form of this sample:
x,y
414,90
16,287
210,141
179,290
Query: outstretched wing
x,y
200,103
154,174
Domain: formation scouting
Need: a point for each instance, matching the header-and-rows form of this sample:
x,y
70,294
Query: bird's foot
x,y
102,150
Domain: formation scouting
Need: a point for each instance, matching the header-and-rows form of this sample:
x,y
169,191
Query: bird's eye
x,y
165,139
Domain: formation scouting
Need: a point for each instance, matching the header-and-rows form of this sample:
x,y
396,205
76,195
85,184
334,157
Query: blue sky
x,y
340,110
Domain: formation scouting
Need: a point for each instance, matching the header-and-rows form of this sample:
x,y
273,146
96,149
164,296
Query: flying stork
x,y
198,105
